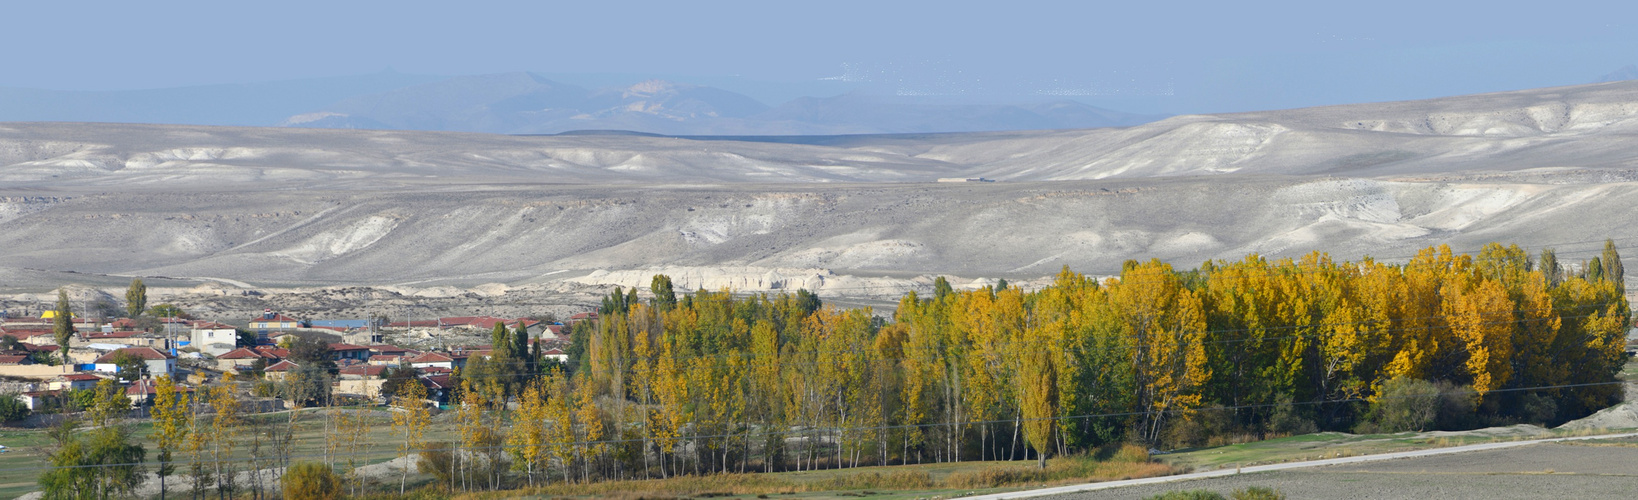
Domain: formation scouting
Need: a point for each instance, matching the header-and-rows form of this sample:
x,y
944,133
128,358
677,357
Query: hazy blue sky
x,y
1142,56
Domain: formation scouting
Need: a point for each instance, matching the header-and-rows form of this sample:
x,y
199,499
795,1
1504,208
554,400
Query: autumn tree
x,y
410,418
170,418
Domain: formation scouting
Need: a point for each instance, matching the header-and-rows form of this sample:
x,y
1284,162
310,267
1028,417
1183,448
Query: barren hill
x,y
848,215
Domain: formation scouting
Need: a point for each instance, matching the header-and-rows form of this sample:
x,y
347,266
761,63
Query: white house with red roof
x,y
279,371
75,381
244,358
433,359
270,320
555,353
213,338
158,362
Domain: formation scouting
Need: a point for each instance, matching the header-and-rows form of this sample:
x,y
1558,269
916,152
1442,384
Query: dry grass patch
x,y
1125,462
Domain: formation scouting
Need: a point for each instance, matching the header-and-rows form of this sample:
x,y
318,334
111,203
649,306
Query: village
x,y
254,353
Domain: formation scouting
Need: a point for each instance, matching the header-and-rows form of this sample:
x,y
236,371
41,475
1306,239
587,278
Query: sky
x,y
1163,57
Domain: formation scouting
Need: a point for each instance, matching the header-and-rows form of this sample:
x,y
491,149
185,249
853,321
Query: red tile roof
x,y
38,347
431,357
147,353
112,335
338,346
80,377
364,370
13,359
281,366
435,382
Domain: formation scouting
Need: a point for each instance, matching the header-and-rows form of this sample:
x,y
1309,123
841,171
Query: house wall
x,y
214,342
40,372
370,388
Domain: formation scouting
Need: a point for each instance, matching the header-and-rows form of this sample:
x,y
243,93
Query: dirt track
x,y
1536,471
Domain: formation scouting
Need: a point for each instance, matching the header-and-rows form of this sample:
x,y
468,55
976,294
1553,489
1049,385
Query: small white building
x,y
214,339
158,363
432,360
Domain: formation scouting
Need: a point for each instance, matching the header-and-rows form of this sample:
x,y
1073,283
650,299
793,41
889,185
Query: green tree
x,y
168,311
11,408
62,324
1406,404
1549,267
136,298
130,366
93,465
664,296
312,352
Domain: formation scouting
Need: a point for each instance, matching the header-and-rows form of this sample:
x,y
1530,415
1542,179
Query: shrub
x,y
1406,404
311,481
266,389
1188,495
1257,493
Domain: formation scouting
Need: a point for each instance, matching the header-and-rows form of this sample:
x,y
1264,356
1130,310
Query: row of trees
x,y
710,382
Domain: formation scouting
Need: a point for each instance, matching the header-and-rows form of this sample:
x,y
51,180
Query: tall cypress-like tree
x,y
501,339
1612,265
520,352
1549,267
63,324
136,298
1594,270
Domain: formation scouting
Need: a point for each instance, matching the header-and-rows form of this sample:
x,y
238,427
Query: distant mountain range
x,y
526,103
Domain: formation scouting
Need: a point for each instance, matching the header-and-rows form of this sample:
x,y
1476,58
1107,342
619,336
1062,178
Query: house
x,y
142,392
41,400
438,387
37,348
346,352
555,353
130,338
554,331
364,380
432,359
213,338
270,320
158,363
14,359
34,336
387,359
280,371
244,358
75,382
